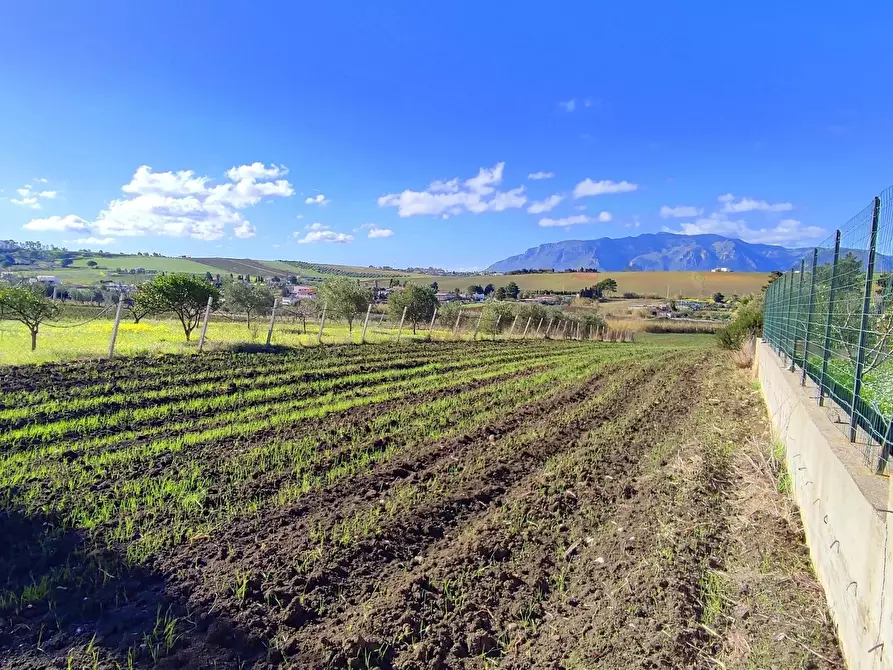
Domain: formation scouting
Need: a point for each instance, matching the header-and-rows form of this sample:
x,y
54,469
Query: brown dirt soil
x,y
621,523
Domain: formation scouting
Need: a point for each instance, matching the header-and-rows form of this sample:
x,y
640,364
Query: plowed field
x,y
445,505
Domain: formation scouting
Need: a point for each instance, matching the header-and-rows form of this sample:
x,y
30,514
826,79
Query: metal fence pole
x,y
809,315
826,347
322,322
789,317
201,340
366,323
478,325
866,307
272,321
797,317
117,323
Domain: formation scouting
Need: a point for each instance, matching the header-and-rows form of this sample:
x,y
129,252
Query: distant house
x,y
302,291
445,296
48,279
722,270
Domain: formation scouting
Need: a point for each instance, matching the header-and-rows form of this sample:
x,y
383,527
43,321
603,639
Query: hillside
x,y
654,252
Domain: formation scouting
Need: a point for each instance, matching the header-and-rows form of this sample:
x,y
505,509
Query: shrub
x,y
747,322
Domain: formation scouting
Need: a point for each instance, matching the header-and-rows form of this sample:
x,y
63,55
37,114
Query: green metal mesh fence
x,y
830,316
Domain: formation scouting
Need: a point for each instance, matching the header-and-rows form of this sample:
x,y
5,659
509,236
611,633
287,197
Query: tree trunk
x,y
248,314
33,339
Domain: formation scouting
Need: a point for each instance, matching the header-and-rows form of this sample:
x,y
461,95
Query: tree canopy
x,y
180,293
248,298
345,298
419,301
27,305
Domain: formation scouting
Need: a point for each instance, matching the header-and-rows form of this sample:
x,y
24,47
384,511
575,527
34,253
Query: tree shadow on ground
x,y
69,604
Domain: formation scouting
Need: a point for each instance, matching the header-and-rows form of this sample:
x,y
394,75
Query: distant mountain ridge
x,y
654,251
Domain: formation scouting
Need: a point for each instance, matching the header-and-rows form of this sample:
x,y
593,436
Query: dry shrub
x,y
746,352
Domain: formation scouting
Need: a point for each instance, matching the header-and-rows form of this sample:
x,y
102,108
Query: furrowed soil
x,y
559,505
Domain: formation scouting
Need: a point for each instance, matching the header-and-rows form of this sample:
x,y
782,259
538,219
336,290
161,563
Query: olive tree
x,y
345,298
419,302
29,306
180,293
248,298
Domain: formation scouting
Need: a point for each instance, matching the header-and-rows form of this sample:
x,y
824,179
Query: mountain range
x,y
654,251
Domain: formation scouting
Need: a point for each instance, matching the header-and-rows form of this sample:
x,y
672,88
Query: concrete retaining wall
x,y
844,508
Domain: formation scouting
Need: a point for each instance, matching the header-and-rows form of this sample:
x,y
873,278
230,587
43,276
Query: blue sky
x,y
420,124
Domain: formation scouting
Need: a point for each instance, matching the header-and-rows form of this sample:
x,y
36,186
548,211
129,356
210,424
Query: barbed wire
x,y
82,323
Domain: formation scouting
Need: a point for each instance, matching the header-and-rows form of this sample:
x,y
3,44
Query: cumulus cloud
x,y
588,187
733,206
181,204
318,199
31,198
448,198
316,226
379,233
329,236
680,212
58,224
568,105
603,217
92,241
540,175
546,205
785,231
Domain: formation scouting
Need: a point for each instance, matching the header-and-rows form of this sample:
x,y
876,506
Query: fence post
x,y
529,319
538,326
478,325
366,323
809,313
431,325
797,317
456,327
548,328
402,317
514,323
201,340
863,326
826,348
272,321
496,327
117,323
322,322
789,317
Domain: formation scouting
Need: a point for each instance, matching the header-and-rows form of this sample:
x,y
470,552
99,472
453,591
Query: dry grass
x,y
662,325
744,356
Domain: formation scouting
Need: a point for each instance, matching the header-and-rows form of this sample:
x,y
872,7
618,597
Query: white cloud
x,y
181,204
299,216
546,205
540,175
58,224
567,221
31,198
680,212
94,241
730,205
604,217
784,232
329,236
318,199
317,226
42,180
448,198
379,233
588,187
568,105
